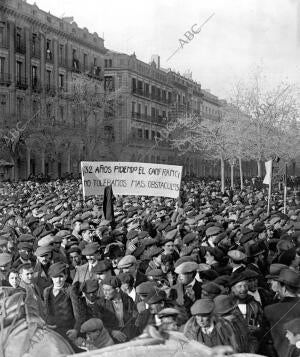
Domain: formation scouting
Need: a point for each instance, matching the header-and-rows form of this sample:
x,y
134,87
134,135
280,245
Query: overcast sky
x,y
241,35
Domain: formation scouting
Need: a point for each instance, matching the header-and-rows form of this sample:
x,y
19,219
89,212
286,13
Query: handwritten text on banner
x,y
131,178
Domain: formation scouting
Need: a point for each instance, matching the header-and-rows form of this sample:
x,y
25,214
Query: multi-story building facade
x,y
153,96
40,57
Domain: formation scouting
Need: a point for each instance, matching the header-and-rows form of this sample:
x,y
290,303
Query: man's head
x,y
14,279
44,255
127,281
128,264
90,290
26,273
292,329
111,287
156,302
92,328
169,247
75,257
239,287
77,225
58,274
167,263
186,272
202,310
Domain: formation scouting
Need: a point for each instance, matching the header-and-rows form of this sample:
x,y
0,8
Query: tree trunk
x,y
232,175
222,175
258,168
241,173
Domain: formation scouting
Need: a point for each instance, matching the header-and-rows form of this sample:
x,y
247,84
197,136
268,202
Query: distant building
x,y
40,56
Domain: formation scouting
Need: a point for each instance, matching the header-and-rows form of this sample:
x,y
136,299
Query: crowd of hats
x,y
233,226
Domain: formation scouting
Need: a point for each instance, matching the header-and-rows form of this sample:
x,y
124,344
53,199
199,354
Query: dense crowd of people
x,y
210,264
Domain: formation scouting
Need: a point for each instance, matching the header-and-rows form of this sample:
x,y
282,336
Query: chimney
x,y
156,60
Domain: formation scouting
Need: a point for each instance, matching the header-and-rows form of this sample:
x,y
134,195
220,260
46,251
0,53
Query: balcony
x,y
36,85
140,92
5,79
50,90
21,48
21,83
96,73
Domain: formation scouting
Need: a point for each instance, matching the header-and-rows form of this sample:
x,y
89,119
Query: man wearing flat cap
x,y
203,327
237,260
86,271
119,310
62,304
250,309
40,272
287,309
128,264
96,335
188,287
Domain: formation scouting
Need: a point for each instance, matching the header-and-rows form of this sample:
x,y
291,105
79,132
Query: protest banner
x,y
131,178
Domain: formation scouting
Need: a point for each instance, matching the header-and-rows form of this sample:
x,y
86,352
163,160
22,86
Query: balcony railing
x,y
96,73
5,79
141,92
21,83
21,48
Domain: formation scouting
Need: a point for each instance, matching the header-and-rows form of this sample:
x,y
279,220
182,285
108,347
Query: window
x,y
153,112
108,63
146,111
62,112
2,62
34,75
133,107
20,106
139,108
1,34
19,70
2,103
133,84
34,43
48,50
61,54
18,40
109,83
48,110
61,81
147,134
158,134
95,62
140,133
164,114
153,134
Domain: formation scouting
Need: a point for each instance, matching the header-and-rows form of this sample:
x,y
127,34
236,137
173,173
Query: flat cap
x,y
156,298
26,238
126,261
185,268
41,251
112,281
90,286
57,269
237,255
213,231
102,266
202,307
169,311
63,234
146,288
47,240
275,270
91,325
155,273
211,288
90,249
289,277
5,259
223,304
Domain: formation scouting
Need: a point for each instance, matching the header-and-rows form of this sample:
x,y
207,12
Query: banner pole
x,y
285,189
270,190
82,179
